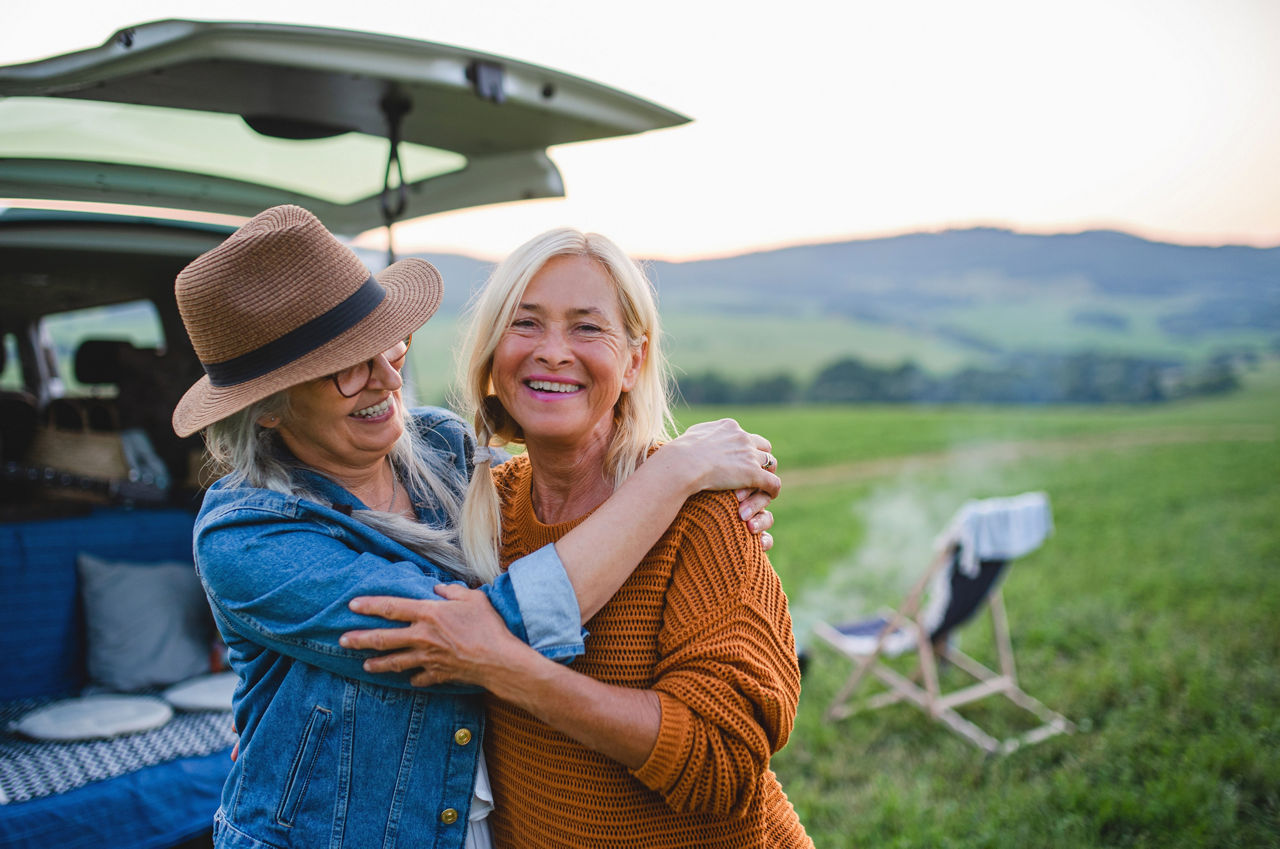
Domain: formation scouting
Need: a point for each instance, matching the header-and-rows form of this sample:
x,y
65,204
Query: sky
x,y
822,121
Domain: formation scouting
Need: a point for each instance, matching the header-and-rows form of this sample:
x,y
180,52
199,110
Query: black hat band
x,y
301,340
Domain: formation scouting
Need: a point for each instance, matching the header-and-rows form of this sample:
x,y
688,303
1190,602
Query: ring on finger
x,y
769,462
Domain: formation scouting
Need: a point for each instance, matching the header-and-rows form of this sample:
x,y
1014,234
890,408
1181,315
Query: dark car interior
x,y
63,400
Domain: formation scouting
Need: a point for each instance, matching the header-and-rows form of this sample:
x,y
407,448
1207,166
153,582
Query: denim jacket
x,y
330,755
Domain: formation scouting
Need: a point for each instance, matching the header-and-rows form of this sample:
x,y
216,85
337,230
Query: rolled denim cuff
x,y
548,604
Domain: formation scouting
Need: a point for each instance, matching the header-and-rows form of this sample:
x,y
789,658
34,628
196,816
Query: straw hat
x,y
282,301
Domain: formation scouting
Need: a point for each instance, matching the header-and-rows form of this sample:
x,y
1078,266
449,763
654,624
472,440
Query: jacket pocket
x,y
304,761
227,836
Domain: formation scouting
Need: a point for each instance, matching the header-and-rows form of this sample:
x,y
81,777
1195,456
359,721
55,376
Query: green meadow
x,y
1151,619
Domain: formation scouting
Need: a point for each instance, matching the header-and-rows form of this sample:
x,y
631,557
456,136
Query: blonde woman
x,y
661,733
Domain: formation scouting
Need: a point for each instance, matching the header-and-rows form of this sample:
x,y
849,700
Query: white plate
x,y
94,718
207,692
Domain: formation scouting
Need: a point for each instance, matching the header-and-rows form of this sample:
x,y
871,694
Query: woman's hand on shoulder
x,y
721,455
458,638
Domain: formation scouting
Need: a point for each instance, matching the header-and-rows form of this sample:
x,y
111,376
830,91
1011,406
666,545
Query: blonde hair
x,y
250,454
641,416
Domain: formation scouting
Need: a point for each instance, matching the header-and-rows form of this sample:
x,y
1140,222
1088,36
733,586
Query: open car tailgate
x,y
234,117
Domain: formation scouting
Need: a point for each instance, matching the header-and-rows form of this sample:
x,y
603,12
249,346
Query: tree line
x,y
1027,378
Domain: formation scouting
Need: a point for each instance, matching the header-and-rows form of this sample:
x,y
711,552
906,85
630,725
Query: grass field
x,y
1151,618
801,346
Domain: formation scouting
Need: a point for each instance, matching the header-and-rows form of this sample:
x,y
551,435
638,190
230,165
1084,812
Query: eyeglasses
x,y
352,380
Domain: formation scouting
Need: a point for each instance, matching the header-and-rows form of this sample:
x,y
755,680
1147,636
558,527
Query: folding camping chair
x,y
971,556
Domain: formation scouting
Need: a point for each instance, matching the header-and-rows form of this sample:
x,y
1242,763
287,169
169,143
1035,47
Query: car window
x,y
334,169
136,322
11,375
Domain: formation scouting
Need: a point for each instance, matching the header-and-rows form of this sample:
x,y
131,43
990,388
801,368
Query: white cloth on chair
x,y
998,529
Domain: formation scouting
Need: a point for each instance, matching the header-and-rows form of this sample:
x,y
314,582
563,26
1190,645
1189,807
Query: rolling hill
x,y
950,299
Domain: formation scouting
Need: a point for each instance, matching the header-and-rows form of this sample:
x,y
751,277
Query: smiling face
x,y
340,436
565,359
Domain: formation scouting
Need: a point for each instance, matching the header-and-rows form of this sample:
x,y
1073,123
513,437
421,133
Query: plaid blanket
x,y
30,769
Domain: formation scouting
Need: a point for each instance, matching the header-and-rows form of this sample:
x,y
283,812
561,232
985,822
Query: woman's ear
x,y
635,362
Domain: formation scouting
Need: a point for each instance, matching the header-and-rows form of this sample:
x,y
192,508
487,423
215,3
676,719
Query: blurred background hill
x,y
930,307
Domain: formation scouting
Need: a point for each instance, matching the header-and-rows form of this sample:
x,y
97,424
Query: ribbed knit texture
x,y
704,622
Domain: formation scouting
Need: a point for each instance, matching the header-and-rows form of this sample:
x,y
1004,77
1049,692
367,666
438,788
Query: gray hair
x,y
249,454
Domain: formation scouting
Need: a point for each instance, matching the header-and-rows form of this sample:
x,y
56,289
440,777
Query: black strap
x,y
301,340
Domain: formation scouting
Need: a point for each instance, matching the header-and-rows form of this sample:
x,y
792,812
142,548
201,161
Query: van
x,y
119,165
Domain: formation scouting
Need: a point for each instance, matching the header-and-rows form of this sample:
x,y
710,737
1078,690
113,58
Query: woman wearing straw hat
x,y
661,733
334,491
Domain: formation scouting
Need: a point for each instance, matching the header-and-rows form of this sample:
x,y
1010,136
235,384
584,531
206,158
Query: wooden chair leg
x,y
838,709
910,607
969,731
929,666
1000,627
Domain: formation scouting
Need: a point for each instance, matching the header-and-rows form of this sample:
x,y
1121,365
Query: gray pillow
x,y
147,624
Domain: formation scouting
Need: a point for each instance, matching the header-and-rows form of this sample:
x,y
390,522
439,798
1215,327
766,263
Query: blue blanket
x,y
151,808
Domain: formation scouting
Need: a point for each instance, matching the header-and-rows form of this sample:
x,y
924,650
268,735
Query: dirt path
x,y
1003,452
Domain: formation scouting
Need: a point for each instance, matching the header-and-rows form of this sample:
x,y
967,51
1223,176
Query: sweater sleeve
x,y
728,679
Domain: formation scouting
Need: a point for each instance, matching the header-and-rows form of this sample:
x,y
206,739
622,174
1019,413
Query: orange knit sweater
x,y
704,622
